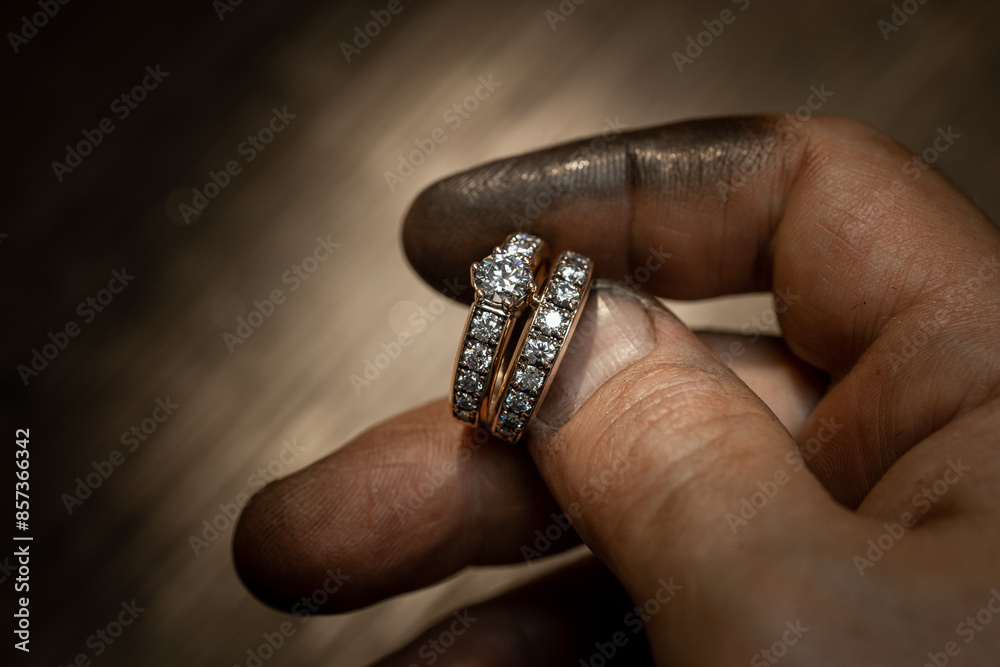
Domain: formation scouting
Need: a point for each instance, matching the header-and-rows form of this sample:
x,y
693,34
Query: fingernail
x,y
615,330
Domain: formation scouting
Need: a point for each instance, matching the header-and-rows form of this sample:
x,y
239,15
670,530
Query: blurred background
x,y
168,166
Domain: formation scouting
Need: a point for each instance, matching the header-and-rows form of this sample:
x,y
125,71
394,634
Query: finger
x,y
885,275
575,614
654,455
419,497
405,505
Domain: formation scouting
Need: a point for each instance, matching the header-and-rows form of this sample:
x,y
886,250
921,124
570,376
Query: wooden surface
x,y
323,175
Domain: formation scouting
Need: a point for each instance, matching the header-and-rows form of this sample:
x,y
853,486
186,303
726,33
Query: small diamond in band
x,y
529,378
539,351
469,382
477,356
486,326
519,402
465,402
509,425
552,322
564,294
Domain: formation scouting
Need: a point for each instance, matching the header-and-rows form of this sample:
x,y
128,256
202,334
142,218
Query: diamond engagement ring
x,y
527,379
506,282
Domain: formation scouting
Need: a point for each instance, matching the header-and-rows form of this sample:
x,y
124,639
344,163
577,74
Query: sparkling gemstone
x,y
509,425
465,415
519,402
552,321
469,382
477,356
572,273
465,402
564,294
529,378
539,352
504,275
485,326
521,243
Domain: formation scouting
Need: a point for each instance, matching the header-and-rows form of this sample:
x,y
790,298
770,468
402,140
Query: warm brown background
x,y
324,176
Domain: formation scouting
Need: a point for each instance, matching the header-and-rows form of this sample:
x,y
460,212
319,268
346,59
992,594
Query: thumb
x,y
679,478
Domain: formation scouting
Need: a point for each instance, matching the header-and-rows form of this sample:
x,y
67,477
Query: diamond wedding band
x,y
493,385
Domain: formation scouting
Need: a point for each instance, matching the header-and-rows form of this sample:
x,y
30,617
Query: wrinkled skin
x,y
875,418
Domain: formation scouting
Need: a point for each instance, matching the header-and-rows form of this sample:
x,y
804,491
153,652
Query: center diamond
x,y
503,276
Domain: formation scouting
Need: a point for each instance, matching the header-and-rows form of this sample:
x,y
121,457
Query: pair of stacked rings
x,y
499,386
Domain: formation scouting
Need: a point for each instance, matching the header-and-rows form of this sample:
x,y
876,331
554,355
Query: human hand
x,y
873,535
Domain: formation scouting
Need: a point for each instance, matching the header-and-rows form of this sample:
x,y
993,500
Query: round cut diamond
x,y
564,295
485,326
477,356
519,402
552,321
539,352
529,378
504,276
